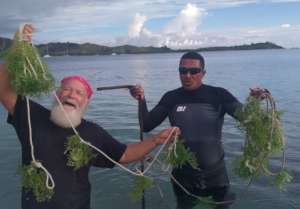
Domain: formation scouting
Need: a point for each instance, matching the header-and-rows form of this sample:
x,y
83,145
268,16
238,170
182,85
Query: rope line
x,y
49,180
139,173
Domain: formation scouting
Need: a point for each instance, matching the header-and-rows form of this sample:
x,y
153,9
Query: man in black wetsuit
x,y
198,110
50,131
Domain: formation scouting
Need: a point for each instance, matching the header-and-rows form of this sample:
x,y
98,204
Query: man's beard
x,y
58,116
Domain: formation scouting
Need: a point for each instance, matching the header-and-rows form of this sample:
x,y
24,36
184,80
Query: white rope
x,y
24,37
42,66
24,70
185,190
49,180
160,150
31,67
21,31
89,144
139,173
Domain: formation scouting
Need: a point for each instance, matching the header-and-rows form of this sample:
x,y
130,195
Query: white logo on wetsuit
x,y
180,108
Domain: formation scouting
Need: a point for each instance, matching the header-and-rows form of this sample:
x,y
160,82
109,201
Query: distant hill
x,y
58,49
253,46
62,49
5,44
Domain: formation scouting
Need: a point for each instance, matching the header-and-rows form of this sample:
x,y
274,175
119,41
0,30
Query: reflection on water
x,y
116,111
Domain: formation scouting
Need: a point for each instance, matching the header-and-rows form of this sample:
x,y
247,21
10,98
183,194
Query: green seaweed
x,y
29,75
33,179
282,178
179,155
205,201
78,153
141,183
264,139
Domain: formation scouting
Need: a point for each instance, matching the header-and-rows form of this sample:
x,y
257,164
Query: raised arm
x,y
151,119
8,96
137,151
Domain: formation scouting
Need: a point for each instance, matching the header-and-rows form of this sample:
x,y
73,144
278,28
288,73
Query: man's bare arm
x,y
137,151
8,96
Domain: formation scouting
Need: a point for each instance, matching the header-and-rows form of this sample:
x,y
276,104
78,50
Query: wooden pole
x,y
140,115
114,87
142,138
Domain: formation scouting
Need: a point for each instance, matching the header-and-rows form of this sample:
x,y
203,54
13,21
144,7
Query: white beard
x,y
58,117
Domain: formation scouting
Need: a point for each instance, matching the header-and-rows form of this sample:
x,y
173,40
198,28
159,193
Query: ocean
x,y
116,111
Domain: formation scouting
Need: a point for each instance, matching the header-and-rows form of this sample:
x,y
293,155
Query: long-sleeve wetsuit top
x,y
200,116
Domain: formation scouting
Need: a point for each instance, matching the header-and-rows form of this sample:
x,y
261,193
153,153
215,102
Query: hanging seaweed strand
x,y
29,77
260,120
33,179
28,73
178,155
141,183
78,154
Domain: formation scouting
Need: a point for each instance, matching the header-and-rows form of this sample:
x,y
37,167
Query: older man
x,y
50,130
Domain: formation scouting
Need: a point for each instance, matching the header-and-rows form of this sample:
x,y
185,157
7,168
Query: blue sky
x,y
175,23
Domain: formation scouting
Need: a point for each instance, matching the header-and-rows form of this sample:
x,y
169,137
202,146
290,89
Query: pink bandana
x,y
82,80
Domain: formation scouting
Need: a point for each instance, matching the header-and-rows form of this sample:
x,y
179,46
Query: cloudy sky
x,y
174,23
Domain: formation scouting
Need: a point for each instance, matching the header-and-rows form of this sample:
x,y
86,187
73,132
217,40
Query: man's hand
x,y
139,150
166,134
26,31
137,92
259,93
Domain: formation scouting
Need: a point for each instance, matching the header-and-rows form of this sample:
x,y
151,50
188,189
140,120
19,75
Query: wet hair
x,y
194,55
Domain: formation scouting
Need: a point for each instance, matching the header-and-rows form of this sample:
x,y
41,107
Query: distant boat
x,y
47,52
113,54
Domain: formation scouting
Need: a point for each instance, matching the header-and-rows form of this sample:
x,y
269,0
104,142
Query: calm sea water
x,y
116,111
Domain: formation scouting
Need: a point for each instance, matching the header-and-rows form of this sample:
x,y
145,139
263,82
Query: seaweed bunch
x,y
29,75
78,153
141,183
178,155
260,120
206,201
33,179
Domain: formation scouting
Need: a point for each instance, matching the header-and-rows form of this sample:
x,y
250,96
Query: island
x,y
88,49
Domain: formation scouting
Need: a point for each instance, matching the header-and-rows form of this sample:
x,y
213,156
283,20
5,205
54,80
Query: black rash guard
x,y
200,116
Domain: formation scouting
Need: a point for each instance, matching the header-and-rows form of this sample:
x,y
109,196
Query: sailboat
x,y
47,54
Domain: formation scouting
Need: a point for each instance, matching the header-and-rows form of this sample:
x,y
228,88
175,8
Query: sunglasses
x,y
192,71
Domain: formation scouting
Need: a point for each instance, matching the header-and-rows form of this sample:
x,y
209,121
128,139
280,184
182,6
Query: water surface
x,y
116,111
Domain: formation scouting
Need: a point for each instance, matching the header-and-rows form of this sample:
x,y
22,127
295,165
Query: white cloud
x,y
65,14
286,25
92,21
230,37
136,27
181,32
277,34
186,23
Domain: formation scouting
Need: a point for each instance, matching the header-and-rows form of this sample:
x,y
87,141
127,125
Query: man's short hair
x,y
194,55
